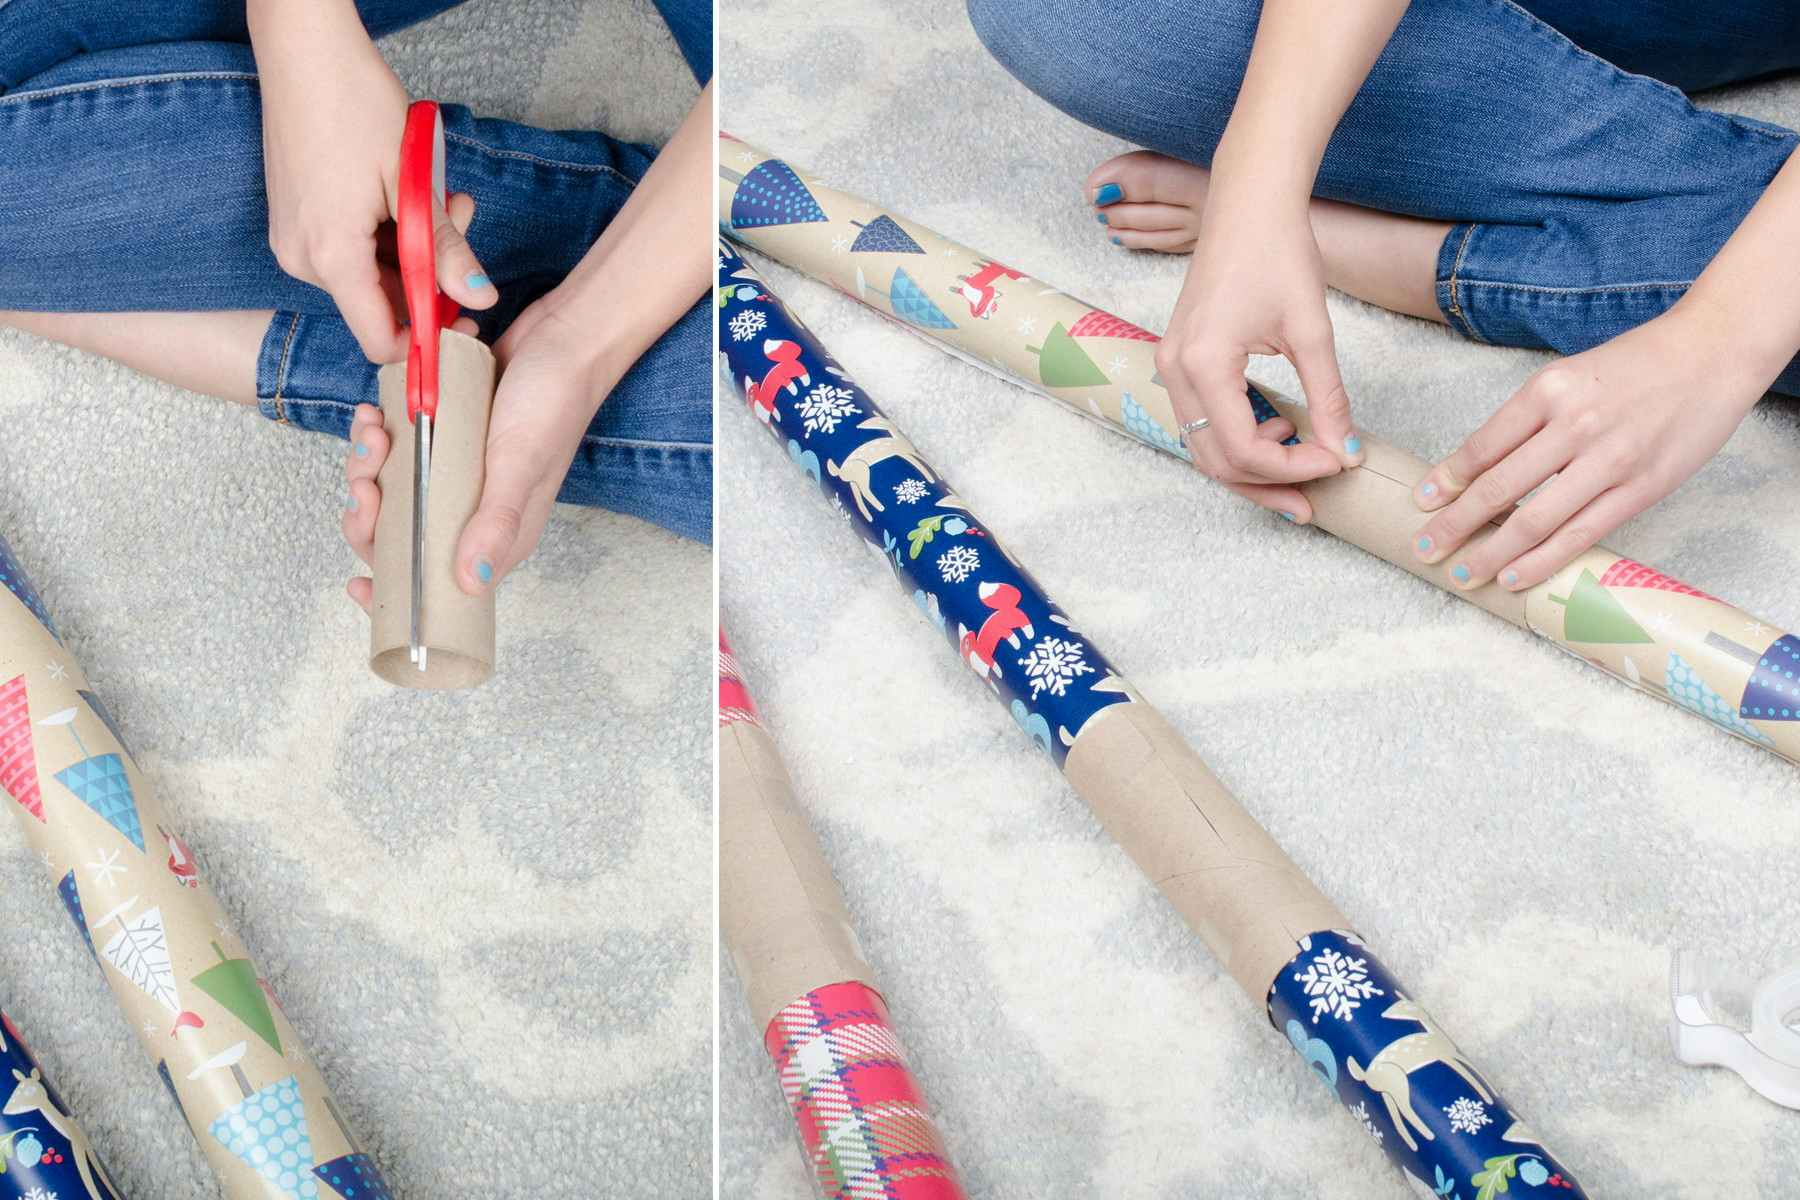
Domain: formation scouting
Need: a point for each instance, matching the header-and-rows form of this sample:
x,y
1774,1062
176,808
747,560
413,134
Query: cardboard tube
x,y
1637,624
861,1115
43,1150
456,628
181,975
1281,939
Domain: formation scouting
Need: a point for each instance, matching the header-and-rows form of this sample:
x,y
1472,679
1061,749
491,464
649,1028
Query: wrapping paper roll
x,y
182,977
44,1155
1282,940
861,1117
1655,633
457,628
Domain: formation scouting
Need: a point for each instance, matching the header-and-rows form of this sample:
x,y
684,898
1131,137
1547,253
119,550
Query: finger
x,y
460,273
1527,526
1603,514
1314,356
355,286
503,529
1167,241
1276,429
466,325
1285,502
368,450
1231,440
1516,422
360,513
1493,493
362,590
1144,216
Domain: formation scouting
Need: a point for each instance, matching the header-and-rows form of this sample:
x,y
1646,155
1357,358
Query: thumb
x,y
497,537
460,273
1327,403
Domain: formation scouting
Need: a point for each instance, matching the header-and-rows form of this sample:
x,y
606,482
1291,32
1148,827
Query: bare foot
x,y
1149,201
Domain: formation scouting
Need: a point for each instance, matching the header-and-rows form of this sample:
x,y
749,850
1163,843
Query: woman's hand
x,y
1613,430
1256,286
333,113
550,386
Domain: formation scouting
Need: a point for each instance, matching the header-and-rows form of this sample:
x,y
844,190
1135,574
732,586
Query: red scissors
x,y
422,197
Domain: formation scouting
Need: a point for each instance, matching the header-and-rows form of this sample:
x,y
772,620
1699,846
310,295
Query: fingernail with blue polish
x,y
1117,242
362,451
484,571
478,280
1352,445
1460,573
1109,193
1424,545
1101,217
1511,578
352,504
1428,490
1287,516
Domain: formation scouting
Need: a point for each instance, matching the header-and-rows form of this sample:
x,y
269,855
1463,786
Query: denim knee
x,y
1159,73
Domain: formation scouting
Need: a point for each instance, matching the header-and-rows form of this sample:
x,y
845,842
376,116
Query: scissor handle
x,y
422,193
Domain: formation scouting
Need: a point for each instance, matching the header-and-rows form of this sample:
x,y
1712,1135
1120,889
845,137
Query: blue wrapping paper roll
x,y
44,1155
1341,1010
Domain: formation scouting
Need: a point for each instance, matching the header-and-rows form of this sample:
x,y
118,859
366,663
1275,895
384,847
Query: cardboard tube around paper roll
x,y
181,975
1281,939
861,1115
43,1152
457,628
1653,632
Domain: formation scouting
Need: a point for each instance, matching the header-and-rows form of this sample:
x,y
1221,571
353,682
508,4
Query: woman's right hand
x,y
1256,285
333,112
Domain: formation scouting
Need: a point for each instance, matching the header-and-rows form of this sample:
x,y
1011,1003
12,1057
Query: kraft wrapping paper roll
x,y
1283,941
1637,624
860,1115
182,977
44,1155
457,627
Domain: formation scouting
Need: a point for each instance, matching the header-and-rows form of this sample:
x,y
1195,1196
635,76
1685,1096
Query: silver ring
x,y
1194,426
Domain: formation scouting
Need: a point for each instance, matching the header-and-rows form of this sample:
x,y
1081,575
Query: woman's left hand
x,y
1613,430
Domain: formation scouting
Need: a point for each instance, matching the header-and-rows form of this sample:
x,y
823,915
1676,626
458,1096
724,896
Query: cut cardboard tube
x,y
824,1022
1637,624
456,628
1282,940
43,1148
181,975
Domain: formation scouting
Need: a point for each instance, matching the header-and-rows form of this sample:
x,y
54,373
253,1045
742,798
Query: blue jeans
x,y
131,180
1584,196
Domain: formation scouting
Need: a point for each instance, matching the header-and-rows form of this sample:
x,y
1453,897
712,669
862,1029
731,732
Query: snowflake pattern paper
x,y
1403,1079
996,618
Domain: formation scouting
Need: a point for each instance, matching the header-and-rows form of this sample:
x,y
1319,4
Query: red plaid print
x,y
735,705
862,1119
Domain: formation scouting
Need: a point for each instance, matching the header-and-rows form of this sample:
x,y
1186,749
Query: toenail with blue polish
x,y
1512,579
352,504
1109,193
1117,242
1428,491
1101,217
1352,444
1424,545
1287,516
478,280
1460,572
362,451
484,571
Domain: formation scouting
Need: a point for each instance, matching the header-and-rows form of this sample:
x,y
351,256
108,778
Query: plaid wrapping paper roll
x,y
1221,870
1657,634
44,1155
181,976
860,1116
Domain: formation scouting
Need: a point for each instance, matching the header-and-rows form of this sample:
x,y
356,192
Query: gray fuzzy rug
x,y
489,914
1523,840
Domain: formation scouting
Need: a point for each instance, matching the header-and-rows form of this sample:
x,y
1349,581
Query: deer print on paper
x,y
30,1096
857,465
1388,1073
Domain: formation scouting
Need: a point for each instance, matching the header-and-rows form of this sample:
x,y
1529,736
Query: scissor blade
x,y
417,649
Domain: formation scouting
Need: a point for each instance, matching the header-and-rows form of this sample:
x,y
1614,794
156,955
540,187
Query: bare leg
x,y
1387,260
213,353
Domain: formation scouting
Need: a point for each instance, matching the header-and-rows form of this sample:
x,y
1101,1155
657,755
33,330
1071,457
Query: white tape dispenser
x,y
1711,1027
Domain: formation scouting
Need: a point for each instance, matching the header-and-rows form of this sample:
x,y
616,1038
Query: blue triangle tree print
x,y
71,898
771,194
19,584
910,303
102,785
884,235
